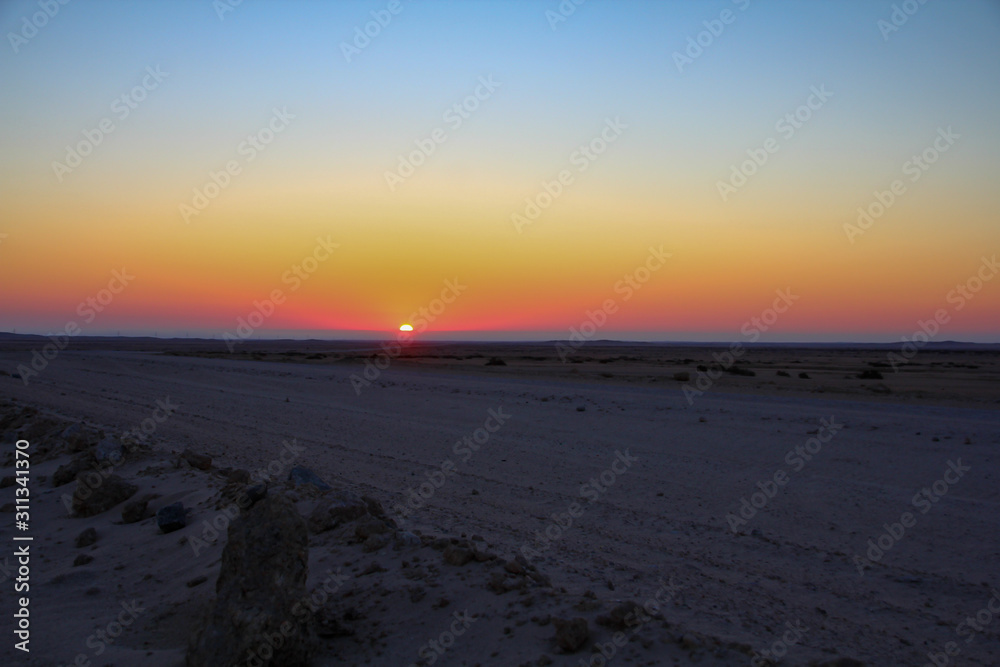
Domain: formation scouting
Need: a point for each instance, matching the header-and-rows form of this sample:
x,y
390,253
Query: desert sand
x,y
572,487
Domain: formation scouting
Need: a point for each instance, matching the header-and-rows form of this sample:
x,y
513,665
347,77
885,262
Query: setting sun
x,y
406,327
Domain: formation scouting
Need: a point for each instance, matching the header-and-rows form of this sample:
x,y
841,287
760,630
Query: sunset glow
x,y
802,149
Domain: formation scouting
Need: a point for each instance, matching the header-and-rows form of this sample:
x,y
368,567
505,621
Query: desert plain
x,y
808,505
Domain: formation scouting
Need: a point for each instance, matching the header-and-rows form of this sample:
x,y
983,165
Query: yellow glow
x,y
406,327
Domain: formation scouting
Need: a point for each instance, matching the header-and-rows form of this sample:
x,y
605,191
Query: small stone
x,y
79,437
374,543
256,492
373,568
197,581
406,540
135,510
303,475
571,635
239,476
86,537
514,567
67,472
457,556
111,450
95,494
171,517
196,460
82,559
625,615
370,526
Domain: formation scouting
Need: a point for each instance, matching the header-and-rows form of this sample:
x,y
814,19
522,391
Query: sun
x,y
406,327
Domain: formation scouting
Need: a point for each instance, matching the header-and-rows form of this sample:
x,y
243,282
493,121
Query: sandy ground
x,y
656,484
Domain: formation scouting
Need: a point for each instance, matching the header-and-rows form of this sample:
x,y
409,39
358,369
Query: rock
x,y
375,507
624,616
406,540
496,361
239,476
455,555
256,492
374,543
134,511
196,460
303,475
197,581
513,567
370,526
67,472
79,438
571,635
171,517
86,537
95,494
82,559
110,450
336,508
373,568
262,581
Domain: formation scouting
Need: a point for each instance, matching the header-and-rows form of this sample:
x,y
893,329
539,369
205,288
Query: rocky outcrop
x,y
257,611
95,493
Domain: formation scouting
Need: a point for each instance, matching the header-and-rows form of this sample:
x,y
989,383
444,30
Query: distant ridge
x,y
952,345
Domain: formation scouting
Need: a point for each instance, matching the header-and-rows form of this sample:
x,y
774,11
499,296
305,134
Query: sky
x,y
727,170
